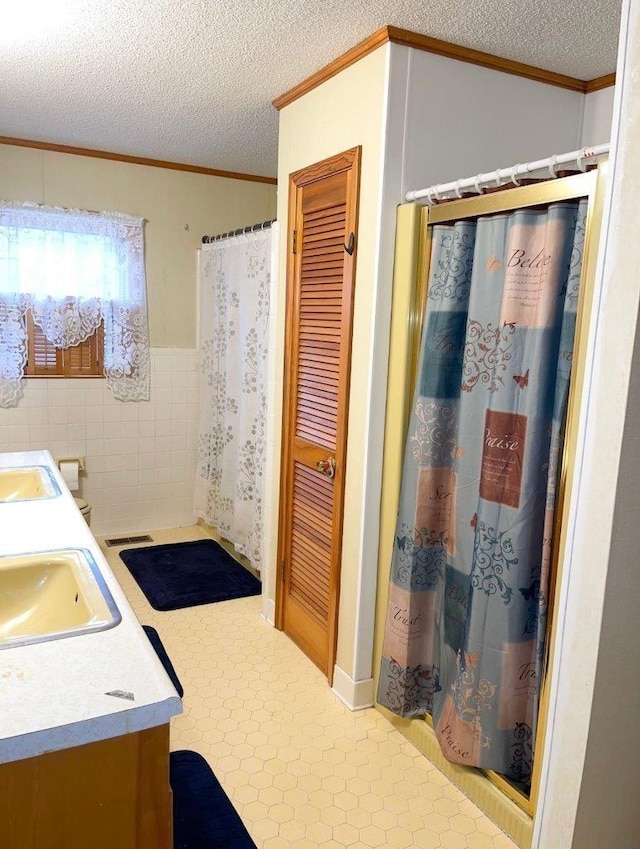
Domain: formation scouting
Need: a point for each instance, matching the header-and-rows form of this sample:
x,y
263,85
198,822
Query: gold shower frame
x,y
414,237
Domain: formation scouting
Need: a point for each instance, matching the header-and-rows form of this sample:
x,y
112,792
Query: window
x,y
86,359
72,298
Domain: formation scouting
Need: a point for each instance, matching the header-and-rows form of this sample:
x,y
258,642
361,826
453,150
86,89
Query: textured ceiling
x,y
192,81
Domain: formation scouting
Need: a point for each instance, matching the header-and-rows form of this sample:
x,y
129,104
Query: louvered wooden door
x,y
321,268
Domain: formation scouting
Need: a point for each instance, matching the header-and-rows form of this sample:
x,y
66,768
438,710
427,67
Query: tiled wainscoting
x,y
140,456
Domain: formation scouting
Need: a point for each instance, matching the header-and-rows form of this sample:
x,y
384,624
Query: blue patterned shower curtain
x,y
465,627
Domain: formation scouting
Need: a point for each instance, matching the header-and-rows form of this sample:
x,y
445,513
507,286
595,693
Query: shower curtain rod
x,y
496,178
264,225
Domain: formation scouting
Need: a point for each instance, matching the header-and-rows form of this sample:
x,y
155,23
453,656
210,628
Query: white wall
x,y
462,119
598,114
179,208
590,779
140,457
346,111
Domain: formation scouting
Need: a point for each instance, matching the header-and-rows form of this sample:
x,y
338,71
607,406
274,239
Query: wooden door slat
x,y
314,500
323,211
310,577
320,535
322,438
321,520
310,565
339,211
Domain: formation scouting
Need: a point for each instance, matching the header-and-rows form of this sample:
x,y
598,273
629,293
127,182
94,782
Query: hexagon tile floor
x,y
302,770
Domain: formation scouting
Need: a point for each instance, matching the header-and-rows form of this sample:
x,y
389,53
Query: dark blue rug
x,y
203,816
185,574
165,660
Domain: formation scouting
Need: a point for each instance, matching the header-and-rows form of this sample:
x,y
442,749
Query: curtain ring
x,y
514,179
434,193
553,165
579,159
476,183
498,178
457,189
430,196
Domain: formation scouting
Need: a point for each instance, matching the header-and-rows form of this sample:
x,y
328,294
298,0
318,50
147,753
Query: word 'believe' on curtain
x,y
466,617
73,270
235,276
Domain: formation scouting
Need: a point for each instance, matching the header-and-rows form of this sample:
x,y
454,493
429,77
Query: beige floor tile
x,y
302,770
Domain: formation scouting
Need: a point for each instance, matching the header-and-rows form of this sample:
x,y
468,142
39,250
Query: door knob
x,y
327,467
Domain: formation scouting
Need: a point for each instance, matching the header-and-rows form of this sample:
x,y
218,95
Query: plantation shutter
x,y
85,359
45,360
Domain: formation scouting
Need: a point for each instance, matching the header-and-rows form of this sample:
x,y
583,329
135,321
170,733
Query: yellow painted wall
x,y
346,111
179,207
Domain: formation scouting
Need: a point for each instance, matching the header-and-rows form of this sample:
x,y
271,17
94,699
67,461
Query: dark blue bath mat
x,y
185,574
164,658
203,816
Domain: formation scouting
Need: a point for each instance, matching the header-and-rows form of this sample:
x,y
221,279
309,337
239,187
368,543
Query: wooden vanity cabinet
x,y
112,793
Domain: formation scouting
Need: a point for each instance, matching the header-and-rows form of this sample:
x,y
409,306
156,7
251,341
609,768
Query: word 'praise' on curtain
x,y
466,617
235,276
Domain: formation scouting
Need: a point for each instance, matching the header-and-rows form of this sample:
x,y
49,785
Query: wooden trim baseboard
x,y
136,160
440,48
600,83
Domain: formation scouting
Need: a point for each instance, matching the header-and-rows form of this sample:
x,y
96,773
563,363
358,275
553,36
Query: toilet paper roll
x,y
70,469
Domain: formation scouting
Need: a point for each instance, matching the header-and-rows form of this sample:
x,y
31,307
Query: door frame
x,y
349,160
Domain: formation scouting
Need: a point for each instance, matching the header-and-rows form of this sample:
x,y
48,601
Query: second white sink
x,y
28,483
52,594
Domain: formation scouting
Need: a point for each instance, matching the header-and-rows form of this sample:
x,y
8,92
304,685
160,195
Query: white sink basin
x,y
49,595
27,483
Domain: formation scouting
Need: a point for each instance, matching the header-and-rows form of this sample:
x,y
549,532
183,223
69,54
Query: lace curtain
x,y
234,280
73,270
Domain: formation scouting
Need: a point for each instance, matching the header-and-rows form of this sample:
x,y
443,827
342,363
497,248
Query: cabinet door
x,y
321,275
112,793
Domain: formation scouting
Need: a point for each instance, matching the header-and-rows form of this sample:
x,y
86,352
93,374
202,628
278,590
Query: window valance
x,y
73,269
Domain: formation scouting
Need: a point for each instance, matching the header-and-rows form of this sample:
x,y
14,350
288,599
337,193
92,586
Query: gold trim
x,y
550,191
576,393
417,309
135,160
404,318
417,40
509,790
405,326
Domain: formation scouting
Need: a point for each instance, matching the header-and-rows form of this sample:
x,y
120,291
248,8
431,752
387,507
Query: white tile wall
x,y
140,456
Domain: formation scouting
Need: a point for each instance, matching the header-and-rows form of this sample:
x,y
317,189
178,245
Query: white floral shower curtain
x,y
235,276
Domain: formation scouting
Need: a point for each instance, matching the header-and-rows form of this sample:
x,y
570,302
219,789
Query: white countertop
x,y
53,694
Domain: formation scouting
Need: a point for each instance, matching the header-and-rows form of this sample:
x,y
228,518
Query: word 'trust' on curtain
x,y
466,617
235,277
